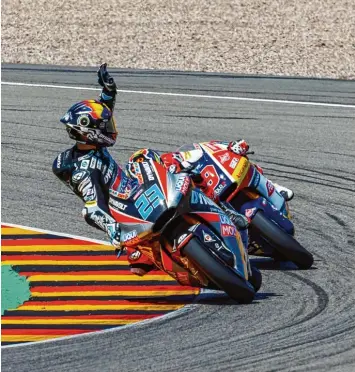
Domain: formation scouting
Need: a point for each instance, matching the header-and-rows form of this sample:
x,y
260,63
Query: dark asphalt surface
x,y
301,320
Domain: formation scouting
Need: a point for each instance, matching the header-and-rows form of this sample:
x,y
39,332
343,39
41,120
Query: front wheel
x,y
255,279
218,272
285,245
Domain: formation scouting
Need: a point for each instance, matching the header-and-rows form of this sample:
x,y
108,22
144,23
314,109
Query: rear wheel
x,y
285,244
219,273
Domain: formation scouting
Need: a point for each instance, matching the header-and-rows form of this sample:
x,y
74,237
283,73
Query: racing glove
x,y
239,220
239,147
175,163
105,79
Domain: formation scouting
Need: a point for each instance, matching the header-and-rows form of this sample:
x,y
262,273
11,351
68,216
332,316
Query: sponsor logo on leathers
x,y
59,160
117,204
109,173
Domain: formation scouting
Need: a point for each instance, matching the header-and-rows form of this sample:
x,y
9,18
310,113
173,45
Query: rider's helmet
x,y
91,122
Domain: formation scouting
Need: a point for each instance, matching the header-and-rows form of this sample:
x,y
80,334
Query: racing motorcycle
x,y
232,177
185,232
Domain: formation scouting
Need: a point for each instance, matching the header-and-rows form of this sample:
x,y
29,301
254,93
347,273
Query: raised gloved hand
x,y
239,147
105,79
114,233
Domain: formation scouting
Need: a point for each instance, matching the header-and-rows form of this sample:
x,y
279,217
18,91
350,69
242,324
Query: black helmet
x,y
91,122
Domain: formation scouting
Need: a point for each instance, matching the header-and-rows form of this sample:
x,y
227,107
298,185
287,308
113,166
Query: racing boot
x,y
284,191
239,220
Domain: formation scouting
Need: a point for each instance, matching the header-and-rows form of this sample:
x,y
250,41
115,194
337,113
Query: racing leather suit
x,y
98,180
190,159
91,174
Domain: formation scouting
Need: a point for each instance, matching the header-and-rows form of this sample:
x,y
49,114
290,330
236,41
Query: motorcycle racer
x,y
88,168
90,172
189,160
174,163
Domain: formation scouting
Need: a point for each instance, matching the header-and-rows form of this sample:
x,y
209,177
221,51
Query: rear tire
x,y
219,273
285,244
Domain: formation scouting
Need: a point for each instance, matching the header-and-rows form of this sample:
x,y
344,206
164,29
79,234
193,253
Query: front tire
x,y
218,272
256,279
286,245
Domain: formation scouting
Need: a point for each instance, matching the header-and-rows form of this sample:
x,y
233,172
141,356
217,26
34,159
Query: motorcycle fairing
x,y
229,168
157,191
250,208
219,223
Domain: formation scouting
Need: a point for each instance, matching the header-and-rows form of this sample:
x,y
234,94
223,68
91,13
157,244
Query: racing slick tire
x,y
256,279
287,247
218,272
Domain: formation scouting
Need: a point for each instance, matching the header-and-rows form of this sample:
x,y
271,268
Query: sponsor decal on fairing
x,y
227,226
220,188
134,256
199,198
148,171
224,158
228,230
139,192
207,238
234,163
270,188
129,236
249,212
182,184
225,219
255,179
182,241
182,237
212,146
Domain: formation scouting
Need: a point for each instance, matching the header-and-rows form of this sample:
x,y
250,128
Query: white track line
x,y
247,99
57,233
169,315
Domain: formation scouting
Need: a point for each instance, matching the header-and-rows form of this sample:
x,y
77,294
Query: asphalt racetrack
x,y
300,320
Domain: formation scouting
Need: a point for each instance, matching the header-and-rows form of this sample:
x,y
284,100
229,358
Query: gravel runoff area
x,y
279,37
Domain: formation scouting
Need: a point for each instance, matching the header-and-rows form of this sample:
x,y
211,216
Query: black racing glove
x,y
239,220
105,79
